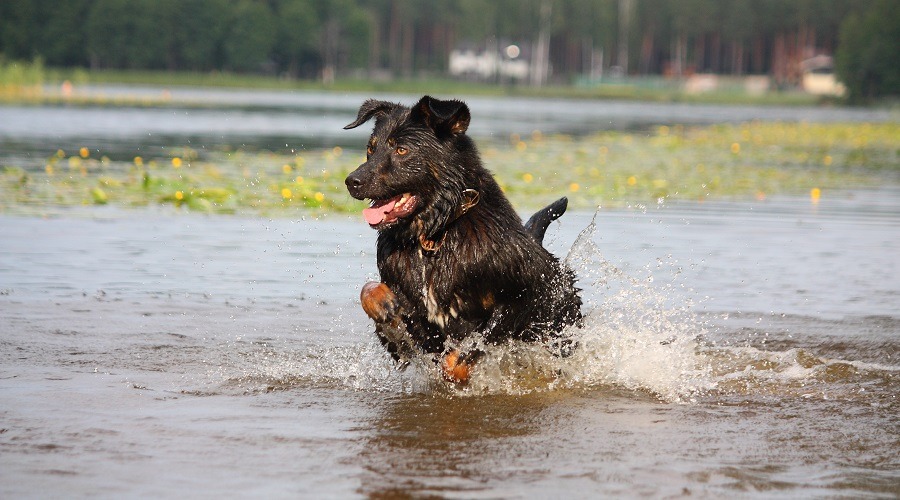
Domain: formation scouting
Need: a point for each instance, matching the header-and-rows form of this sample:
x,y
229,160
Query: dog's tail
x,y
537,224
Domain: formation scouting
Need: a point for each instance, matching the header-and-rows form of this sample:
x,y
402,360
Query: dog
x,y
454,258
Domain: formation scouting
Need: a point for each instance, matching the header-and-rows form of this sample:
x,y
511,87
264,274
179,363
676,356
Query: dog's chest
x,y
428,281
445,288
435,290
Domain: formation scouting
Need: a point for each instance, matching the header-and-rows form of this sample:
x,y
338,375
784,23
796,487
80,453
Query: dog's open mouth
x,y
385,212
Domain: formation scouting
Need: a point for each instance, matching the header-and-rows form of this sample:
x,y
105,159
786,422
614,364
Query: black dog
x,y
454,257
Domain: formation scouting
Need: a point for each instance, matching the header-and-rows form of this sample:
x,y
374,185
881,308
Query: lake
x,y
212,119
732,348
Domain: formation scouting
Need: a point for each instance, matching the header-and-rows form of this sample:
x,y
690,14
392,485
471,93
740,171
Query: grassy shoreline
x,y
751,161
447,86
32,83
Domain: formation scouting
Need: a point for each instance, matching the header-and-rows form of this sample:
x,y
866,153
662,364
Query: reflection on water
x,y
440,445
731,348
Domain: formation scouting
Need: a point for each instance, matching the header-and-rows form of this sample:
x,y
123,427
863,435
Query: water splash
x,y
360,366
632,337
635,335
640,333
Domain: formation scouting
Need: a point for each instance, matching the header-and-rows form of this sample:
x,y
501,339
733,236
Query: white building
x,y
489,64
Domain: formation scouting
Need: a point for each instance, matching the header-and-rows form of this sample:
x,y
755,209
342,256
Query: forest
x,y
403,38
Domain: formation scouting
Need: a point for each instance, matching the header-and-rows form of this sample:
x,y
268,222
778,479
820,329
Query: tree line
x,y
316,38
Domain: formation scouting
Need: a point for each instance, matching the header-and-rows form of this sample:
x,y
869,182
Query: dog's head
x,y
416,162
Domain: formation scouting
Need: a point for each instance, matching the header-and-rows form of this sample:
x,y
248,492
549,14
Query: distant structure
x,y
819,78
508,64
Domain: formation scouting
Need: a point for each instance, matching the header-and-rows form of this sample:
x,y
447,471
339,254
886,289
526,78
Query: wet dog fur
x,y
453,256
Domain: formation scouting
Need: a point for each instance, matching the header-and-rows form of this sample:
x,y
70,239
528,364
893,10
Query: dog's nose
x,y
353,181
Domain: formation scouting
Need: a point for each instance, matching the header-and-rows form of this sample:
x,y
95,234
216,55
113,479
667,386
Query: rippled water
x,y
745,349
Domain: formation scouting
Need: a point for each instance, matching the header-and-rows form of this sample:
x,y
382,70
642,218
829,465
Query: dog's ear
x,y
443,116
370,108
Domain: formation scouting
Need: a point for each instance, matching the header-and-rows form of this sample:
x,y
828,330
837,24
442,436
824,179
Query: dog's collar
x,y
470,199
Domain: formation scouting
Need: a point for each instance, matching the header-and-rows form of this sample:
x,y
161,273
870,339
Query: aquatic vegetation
x,y
750,160
743,161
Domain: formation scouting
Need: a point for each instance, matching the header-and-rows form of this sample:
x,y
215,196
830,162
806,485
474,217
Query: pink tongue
x,y
376,213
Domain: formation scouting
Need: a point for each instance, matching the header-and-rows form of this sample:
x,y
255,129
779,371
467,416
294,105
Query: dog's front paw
x,y
379,302
456,367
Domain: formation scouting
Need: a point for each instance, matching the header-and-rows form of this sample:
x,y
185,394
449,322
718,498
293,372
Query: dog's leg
x,y
379,302
457,367
383,306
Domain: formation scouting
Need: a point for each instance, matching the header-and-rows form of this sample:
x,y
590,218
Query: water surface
x,y
206,118
745,349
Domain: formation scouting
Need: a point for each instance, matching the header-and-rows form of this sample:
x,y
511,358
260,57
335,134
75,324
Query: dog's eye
x,y
402,151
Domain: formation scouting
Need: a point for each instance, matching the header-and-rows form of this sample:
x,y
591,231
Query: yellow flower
x,y
735,148
179,195
286,194
573,187
84,152
286,168
814,195
827,160
60,153
99,196
521,146
299,179
632,180
319,197
337,151
138,161
527,177
176,162
49,169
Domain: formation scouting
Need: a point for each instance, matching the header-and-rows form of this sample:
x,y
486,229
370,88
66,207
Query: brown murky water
x,y
736,349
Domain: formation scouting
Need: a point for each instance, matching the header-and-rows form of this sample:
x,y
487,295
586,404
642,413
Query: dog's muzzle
x,y
355,184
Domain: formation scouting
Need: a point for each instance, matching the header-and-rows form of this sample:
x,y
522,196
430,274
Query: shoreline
x,y
63,80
